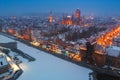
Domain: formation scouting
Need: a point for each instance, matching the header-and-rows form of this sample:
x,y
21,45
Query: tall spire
x,y
51,17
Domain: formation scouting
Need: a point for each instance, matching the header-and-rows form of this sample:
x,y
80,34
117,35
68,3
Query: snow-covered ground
x,y
46,66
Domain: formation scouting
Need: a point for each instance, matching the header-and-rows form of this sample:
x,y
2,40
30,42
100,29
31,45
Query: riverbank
x,y
94,68
47,66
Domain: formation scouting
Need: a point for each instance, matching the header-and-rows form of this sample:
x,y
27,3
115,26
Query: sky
x,y
87,7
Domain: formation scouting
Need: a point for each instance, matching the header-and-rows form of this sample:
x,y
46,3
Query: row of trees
x,y
56,31
72,36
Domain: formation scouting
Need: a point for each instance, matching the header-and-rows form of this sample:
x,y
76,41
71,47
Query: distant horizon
x,y
57,13
87,7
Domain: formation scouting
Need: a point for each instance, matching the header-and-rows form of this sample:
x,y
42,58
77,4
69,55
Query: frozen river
x,y
46,66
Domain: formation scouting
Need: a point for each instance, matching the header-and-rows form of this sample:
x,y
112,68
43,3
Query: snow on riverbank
x,y
47,67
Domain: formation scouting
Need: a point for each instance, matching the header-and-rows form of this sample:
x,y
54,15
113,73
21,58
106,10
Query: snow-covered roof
x,y
3,60
48,67
115,48
113,51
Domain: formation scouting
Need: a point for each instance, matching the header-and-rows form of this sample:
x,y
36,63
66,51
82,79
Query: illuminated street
x,y
107,38
60,39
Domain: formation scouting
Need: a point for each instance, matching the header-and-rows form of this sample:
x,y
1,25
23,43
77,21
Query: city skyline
x,y
87,7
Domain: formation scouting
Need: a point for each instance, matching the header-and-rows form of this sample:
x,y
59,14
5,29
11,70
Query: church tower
x,y
51,17
77,17
77,13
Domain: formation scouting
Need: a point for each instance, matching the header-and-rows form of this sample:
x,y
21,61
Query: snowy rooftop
x,y
47,67
113,51
3,60
115,48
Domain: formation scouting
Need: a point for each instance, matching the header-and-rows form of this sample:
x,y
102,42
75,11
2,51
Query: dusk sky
x,y
94,7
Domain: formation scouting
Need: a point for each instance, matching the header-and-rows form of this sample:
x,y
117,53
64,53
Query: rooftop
x,y
3,60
